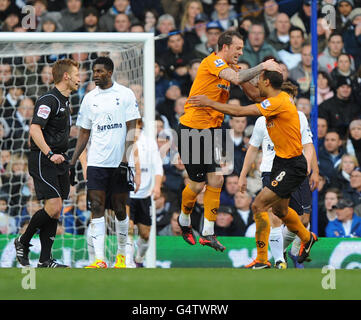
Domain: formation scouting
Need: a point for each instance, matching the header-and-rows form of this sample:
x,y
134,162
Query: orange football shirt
x,y
208,83
283,125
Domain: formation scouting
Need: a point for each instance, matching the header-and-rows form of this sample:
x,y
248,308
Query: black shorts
x,y
205,157
140,210
99,178
301,198
287,175
50,180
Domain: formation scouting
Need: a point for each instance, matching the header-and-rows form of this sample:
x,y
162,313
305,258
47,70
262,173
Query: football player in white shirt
x,y
107,116
300,200
139,203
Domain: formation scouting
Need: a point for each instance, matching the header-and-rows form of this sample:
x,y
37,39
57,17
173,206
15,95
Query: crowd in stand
x,y
187,31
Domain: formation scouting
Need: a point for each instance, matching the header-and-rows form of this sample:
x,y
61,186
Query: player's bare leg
x,y
211,205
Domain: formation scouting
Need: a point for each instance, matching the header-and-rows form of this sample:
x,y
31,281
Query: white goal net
x,y
25,74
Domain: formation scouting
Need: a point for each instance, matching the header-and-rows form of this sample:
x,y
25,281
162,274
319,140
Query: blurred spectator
x,y
341,179
161,82
91,21
5,143
140,6
303,104
6,73
173,228
49,23
56,5
354,192
72,16
340,110
343,68
121,23
5,156
244,26
256,48
227,223
242,201
347,224
200,22
174,9
32,205
150,20
292,56
324,87
177,57
323,185
191,10
322,128
224,14
165,25
302,18
7,7
279,37
29,69
106,22
326,212
163,214
230,189
166,107
353,145
7,223
327,60
188,80
330,156
352,36
302,73
268,16
344,8
45,80
136,27
11,20
214,30
251,8
323,33
178,112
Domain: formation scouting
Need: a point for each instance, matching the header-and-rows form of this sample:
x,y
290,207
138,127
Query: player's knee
x,y
305,219
256,207
216,181
97,209
120,214
144,234
197,187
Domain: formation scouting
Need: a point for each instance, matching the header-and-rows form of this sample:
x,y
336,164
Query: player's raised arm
x,y
204,101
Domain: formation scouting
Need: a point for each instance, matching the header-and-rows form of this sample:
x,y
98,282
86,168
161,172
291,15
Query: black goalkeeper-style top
x,y
52,113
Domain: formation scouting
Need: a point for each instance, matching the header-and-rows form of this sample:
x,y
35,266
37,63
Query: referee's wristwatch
x,y
50,154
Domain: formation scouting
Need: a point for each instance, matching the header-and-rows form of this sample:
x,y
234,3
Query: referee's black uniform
x,y
52,113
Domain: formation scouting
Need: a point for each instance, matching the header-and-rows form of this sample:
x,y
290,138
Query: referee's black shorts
x,y
205,157
287,175
140,210
50,180
103,179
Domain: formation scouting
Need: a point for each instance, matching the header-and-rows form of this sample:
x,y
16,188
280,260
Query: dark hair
x,y
226,38
192,62
91,11
326,76
106,61
344,54
293,28
333,34
275,78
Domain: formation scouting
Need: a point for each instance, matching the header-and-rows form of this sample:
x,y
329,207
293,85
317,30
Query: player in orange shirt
x,y
197,142
290,166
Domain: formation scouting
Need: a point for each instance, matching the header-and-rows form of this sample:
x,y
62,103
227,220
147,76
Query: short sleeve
x,y
84,119
216,65
132,108
270,107
306,132
44,107
258,132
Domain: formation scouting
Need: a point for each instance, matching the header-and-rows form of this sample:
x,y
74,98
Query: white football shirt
x,y
260,137
105,113
150,165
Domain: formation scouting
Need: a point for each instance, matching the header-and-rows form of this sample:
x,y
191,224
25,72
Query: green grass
x,y
177,284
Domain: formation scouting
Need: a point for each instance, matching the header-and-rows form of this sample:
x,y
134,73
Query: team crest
x,y
274,183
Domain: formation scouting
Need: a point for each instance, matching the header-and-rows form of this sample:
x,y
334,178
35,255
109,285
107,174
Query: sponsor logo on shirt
x,y
111,126
43,111
219,63
265,104
224,87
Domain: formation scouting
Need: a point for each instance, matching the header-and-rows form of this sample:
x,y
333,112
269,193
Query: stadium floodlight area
x,y
25,72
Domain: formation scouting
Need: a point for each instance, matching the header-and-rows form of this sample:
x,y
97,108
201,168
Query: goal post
x,y
137,47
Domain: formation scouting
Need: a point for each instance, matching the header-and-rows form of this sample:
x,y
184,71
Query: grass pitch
x,y
179,284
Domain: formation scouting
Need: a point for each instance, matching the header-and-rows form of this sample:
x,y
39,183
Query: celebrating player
x,y
300,199
49,132
290,166
109,113
201,160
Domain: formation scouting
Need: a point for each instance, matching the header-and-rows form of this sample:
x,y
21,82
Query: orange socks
x,y
188,200
294,224
211,202
263,228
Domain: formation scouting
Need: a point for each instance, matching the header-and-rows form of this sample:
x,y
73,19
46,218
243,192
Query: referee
x,y
48,165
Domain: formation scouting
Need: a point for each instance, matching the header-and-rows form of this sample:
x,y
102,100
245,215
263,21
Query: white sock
x,y
129,251
142,249
295,249
121,228
97,232
184,219
288,237
208,227
91,251
276,243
